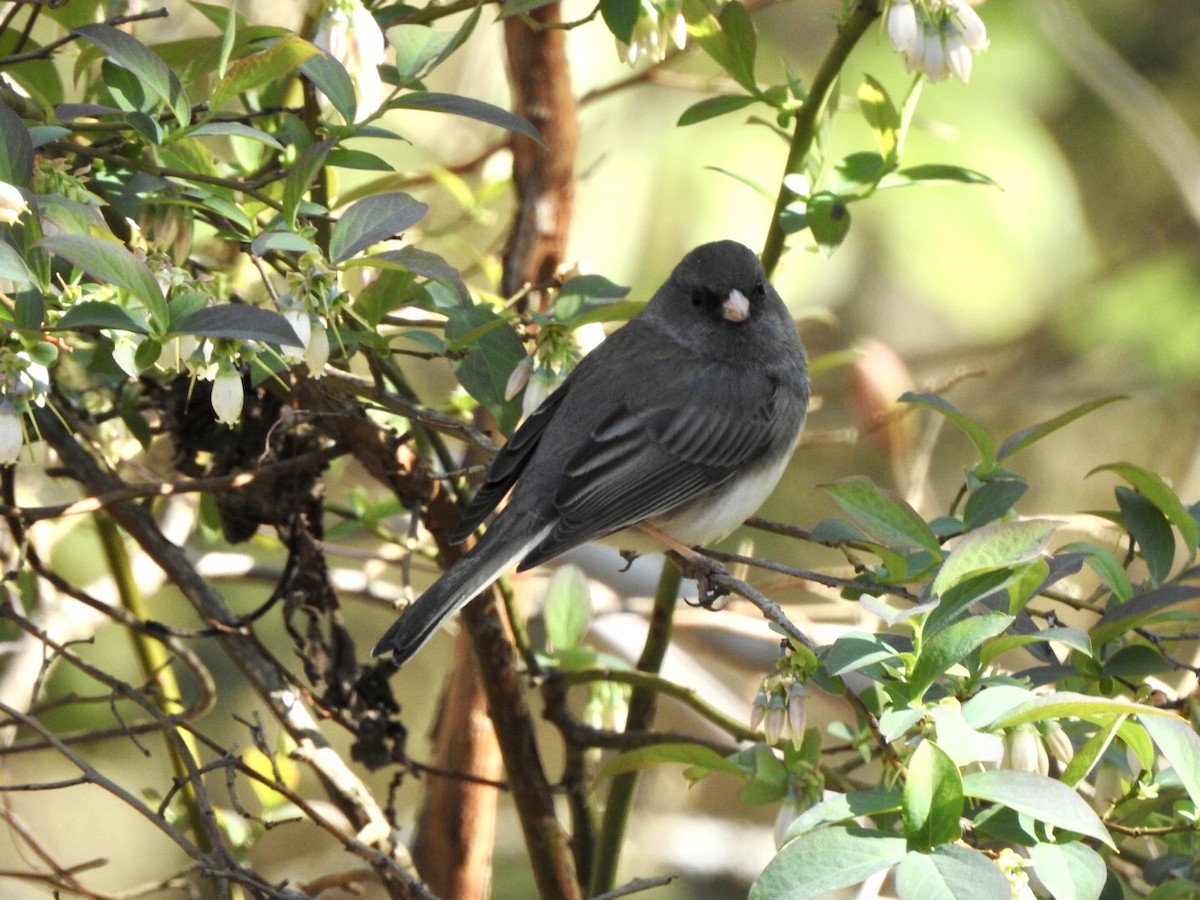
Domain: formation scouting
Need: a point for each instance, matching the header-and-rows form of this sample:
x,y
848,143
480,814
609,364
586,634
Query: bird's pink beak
x,y
736,307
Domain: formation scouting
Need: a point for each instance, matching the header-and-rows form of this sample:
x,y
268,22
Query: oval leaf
x,y
933,798
237,321
371,220
258,69
951,872
1069,871
882,514
822,861
1040,797
112,263
1154,489
995,546
100,314
468,107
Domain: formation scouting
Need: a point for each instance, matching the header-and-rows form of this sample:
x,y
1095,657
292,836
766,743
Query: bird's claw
x,y
703,571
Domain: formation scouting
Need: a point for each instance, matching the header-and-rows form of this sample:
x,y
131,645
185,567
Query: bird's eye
x,y
760,289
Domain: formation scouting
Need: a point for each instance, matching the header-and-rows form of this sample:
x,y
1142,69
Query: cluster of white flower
x,y
937,38
349,33
22,384
12,204
656,28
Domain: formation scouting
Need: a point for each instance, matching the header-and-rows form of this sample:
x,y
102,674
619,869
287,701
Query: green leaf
x,y
842,807
1071,637
13,266
418,262
823,861
282,242
933,798
418,46
566,608
1086,757
882,514
984,444
935,173
493,351
237,129
996,546
1105,565
16,149
693,755
468,107
258,69
100,314
856,650
1068,704
741,44
134,56
238,321
300,176
331,79
1041,798
1071,871
371,220
712,107
828,219
111,263
952,645
620,16
991,500
1154,489
951,872
1178,742
881,116
1118,619
1018,441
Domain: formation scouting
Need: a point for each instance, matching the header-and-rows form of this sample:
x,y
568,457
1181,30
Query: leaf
x,y
300,176
817,863
935,173
13,266
1154,489
661,754
239,321
1178,742
258,69
1019,440
566,608
237,129
1105,565
1150,530
1086,757
881,116
856,650
983,441
991,500
331,79
1071,871
100,314
282,242
882,514
951,872
952,645
468,107
828,219
1042,798
371,220
841,807
996,546
620,16
1119,619
932,798
418,262
417,46
711,107
493,351
16,149
1068,704
134,56
109,262
1071,637
741,44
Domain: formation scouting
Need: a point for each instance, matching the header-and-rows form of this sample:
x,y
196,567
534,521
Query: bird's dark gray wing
x,y
642,462
508,465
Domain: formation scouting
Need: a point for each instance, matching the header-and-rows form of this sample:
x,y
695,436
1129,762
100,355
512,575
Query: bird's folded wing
x,y
644,462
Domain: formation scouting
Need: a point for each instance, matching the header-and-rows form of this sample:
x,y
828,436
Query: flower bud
x,y
797,712
775,719
12,204
316,354
758,709
12,434
1059,744
228,396
1024,751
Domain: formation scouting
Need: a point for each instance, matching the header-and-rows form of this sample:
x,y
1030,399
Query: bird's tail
x,y
498,549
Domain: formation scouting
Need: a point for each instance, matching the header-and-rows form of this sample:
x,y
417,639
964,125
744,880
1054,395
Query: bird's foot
x,y
630,557
705,572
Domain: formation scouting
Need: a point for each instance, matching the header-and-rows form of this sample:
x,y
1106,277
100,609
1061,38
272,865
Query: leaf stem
x,y
808,120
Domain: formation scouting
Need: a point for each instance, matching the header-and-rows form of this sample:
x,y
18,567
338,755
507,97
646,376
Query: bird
x,y
682,421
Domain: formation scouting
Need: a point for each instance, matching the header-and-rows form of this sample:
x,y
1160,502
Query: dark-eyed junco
x,y
683,419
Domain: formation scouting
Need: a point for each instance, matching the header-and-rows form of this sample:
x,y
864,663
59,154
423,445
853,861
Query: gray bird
x,y
684,419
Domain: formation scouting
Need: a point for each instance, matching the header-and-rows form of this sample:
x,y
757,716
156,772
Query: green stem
x,y
641,716
156,667
808,120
